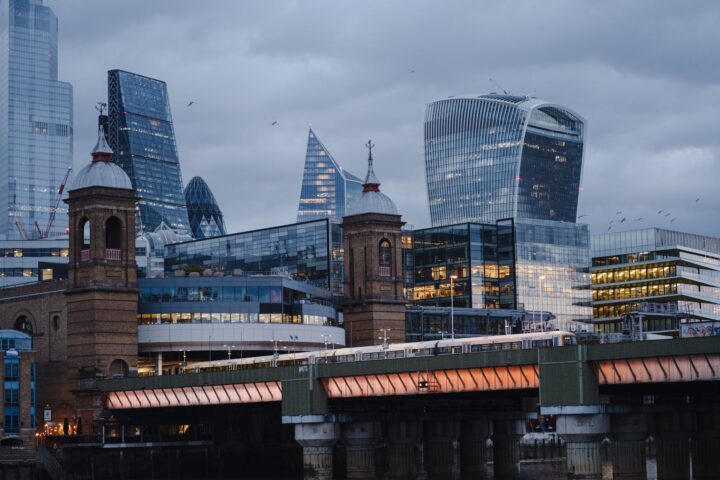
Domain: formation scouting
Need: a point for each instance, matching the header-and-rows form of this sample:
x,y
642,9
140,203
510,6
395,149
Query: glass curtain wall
x,y
206,219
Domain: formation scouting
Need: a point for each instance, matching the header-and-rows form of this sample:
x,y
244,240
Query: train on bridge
x,y
556,338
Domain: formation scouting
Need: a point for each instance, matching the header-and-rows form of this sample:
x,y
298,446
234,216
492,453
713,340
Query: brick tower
x,y
101,295
374,307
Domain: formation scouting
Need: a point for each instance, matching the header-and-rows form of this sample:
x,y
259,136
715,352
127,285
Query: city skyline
x,y
352,85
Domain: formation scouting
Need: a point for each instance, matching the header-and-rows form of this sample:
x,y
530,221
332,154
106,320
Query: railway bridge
x,y
434,415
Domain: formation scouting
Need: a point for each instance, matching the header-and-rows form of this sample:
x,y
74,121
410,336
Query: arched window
x,y
23,324
113,238
118,368
83,239
384,258
56,322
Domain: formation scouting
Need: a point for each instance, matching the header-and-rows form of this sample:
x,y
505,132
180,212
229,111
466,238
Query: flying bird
x,y
609,228
697,200
671,221
274,123
618,212
191,102
611,222
412,71
637,219
659,212
667,215
623,220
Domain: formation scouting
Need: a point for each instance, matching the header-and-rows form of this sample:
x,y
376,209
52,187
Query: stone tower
x,y
374,307
101,295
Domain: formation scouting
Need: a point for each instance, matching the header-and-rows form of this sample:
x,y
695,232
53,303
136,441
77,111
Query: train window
x,y
475,348
443,350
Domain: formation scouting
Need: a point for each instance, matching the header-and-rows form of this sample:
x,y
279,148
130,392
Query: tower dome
x,y
372,199
101,172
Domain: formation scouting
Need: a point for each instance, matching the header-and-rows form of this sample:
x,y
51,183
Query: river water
x,y
556,471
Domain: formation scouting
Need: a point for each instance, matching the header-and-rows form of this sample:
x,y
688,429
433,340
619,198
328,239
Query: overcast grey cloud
x,y
645,75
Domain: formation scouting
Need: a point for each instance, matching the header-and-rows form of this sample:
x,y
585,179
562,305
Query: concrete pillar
x,y
583,435
506,447
628,433
474,434
158,367
402,437
317,440
672,442
440,445
706,446
360,440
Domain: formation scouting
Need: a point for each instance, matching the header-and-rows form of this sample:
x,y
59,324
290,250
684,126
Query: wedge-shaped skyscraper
x,y
142,137
327,189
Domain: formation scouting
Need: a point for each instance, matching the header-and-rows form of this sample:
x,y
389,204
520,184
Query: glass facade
x,y
327,189
142,137
36,121
11,343
20,259
672,278
309,251
206,219
502,156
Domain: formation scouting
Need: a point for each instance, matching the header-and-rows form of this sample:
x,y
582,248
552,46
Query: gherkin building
x,y
206,219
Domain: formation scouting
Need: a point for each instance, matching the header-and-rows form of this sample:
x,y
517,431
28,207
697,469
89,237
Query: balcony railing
x,y
84,255
113,254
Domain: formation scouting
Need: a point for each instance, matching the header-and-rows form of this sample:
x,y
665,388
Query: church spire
x,y
371,184
102,151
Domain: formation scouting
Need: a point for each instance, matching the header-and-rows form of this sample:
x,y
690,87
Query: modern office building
x,y
17,410
671,279
142,138
36,121
327,189
308,251
206,219
150,250
491,157
20,260
184,319
538,266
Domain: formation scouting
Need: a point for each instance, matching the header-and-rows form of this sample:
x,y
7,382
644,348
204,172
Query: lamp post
x,y
384,338
452,307
229,350
293,339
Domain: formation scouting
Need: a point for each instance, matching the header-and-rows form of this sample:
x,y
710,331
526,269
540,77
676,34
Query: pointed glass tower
x,y
327,189
206,219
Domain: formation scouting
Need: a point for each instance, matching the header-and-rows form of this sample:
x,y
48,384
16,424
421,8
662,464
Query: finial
x,y
102,151
371,181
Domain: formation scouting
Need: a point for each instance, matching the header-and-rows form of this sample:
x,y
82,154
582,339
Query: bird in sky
x,y
274,123
623,220
697,200
618,212
667,214
659,212
671,221
637,219
190,103
412,71
609,228
611,222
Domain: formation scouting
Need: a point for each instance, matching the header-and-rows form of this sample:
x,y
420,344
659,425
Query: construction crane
x,y
21,229
51,220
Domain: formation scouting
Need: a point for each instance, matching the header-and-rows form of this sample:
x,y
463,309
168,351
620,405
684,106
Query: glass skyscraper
x,y
36,121
142,137
206,219
492,158
327,189
502,156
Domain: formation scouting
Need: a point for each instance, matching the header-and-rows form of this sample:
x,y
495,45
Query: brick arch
x,y
24,315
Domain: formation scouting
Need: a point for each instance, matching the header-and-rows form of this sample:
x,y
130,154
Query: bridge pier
x,y
672,440
583,434
360,440
706,446
506,447
628,432
317,440
474,434
402,438
440,448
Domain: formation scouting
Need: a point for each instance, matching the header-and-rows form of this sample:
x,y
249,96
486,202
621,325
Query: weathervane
x,y
100,107
370,146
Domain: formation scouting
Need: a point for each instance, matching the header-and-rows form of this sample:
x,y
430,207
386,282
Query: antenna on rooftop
x,y
499,86
100,107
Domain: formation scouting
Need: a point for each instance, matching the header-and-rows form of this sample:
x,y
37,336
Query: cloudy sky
x,y
645,74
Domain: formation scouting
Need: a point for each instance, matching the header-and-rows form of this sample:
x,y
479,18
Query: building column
x,y
402,437
360,439
317,440
474,434
159,365
440,448
628,433
706,446
583,435
506,447
672,442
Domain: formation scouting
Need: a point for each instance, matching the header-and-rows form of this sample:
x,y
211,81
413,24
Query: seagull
x,y
412,71
659,212
274,123
611,222
667,215
609,228
697,200
671,221
191,102
637,219
618,212
623,220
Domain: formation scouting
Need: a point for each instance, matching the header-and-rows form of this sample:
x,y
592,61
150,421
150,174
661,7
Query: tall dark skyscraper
x,y
36,121
142,137
206,219
495,158
327,189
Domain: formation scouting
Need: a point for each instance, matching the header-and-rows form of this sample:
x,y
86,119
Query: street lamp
x,y
452,307
384,338
293,339
229,350
326,340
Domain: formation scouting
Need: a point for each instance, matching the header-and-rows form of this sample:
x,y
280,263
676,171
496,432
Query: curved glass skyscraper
x,y
36,121
142,137
327,189
206,219
494,156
